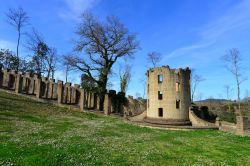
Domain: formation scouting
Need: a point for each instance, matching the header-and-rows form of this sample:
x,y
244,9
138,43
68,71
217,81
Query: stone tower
x,y
168,94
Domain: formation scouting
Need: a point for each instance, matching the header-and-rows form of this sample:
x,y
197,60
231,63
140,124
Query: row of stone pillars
x,y
44,88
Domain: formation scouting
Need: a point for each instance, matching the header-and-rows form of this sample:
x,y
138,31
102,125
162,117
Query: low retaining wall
x,y
196,121
228,127
241,127
138,118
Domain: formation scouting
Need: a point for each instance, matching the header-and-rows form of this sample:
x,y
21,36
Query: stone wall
x,y
241,126
135,106
196,121
58,92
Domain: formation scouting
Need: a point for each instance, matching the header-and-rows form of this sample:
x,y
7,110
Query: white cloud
x,y
234,20
186,49
75,7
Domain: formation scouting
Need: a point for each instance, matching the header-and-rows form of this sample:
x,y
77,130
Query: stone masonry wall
x,y
168,92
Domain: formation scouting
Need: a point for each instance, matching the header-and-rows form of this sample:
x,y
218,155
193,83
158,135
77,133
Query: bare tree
x,y
103,43
195,81
17,18
154,58
50,62
233,60
125,76
228,91
44,57
40,49
200,96
247,97
144,84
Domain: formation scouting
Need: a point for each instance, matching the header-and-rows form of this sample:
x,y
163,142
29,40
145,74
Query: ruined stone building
x,y
169,96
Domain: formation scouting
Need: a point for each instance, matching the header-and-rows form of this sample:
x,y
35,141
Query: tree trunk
x,y
17,48
102,88
238,93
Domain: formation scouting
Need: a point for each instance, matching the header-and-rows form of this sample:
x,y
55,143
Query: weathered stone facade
x,y
168,93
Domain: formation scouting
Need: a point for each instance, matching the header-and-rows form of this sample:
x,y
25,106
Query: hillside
x,y
33,133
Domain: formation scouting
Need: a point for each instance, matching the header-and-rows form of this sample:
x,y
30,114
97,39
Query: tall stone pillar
x,y
6,76
75,89
54,96
107,105
38,87
18,83
81,99
241,124
67,93
51,88
59,91
92,100
98,103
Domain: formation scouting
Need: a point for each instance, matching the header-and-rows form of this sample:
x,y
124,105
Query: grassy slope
x,y
32,133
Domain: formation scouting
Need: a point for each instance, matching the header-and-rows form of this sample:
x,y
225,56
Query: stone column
x,y
18,83
74,93
69,99
218,122
6,78
107,105
67,93
59,91
241,124
54,96
98,103
92,100
81,99
38,87
51,88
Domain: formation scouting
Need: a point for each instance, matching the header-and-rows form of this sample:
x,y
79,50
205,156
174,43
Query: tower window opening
x,y
178,104
177,87
160,112
160,95
160,78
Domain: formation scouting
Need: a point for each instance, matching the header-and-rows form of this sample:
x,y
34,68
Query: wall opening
x,y
160,78
177,87
160,112
11,81
178,104
160,95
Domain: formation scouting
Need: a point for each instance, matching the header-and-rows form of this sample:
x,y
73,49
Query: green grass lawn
x,y
33,133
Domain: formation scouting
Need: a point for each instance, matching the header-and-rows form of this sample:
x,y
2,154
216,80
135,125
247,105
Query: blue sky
x,y
190,33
